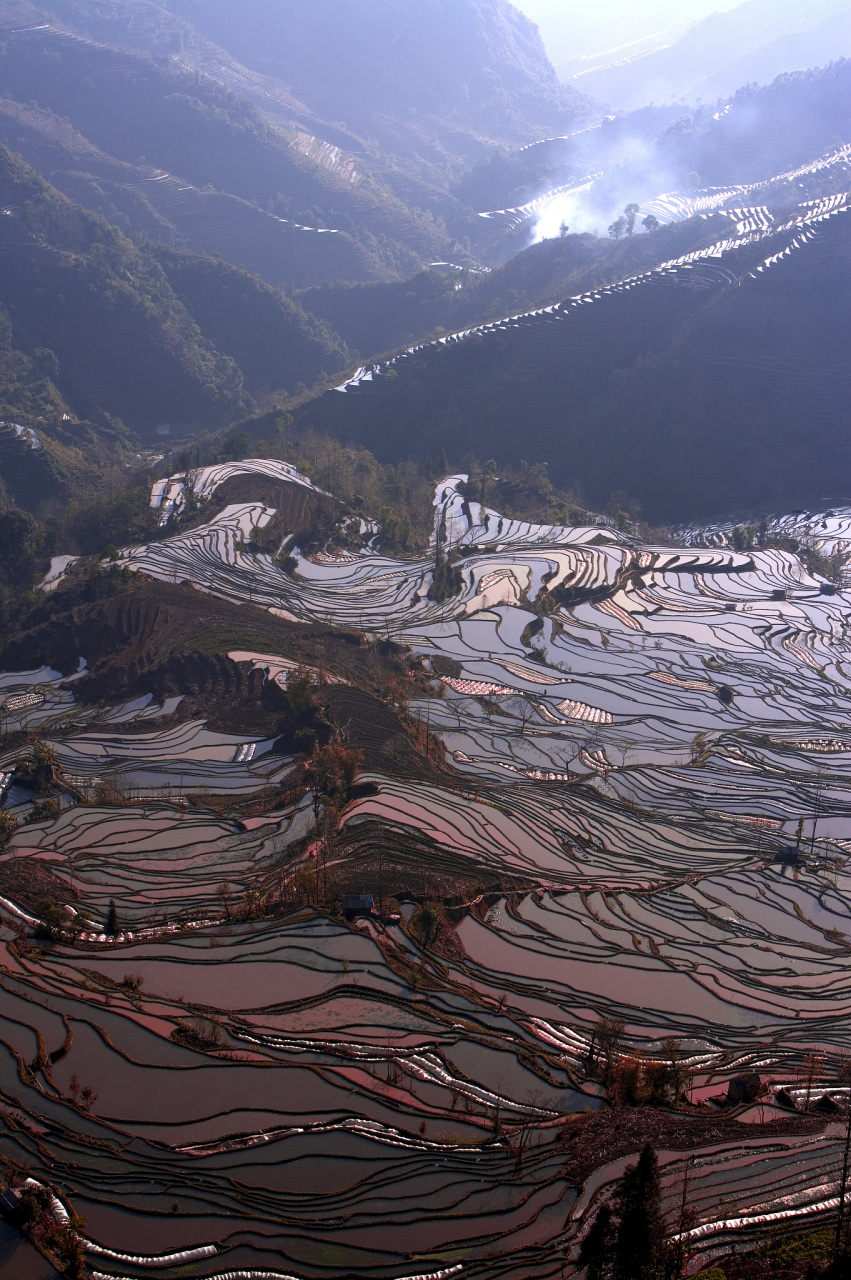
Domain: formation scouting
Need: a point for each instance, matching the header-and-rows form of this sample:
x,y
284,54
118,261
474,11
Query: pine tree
x,y
111,929
596,1250
640,1245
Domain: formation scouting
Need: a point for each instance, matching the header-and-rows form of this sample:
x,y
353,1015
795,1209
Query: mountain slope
x,y
144,200
143,111
275,344
443,74
762,131
375,318
99,320
120,340
718,384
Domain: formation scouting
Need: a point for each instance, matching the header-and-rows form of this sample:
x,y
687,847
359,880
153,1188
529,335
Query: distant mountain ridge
x,y
754,42
574,32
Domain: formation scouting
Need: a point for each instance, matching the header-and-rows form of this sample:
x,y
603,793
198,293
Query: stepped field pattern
x,y
649,749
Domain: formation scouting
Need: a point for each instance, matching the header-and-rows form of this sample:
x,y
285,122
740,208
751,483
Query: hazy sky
x,y
571,28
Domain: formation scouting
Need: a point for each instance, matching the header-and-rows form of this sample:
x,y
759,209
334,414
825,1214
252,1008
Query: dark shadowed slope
x,y
98,314
145,199
276,345
383,317
718,384
104,326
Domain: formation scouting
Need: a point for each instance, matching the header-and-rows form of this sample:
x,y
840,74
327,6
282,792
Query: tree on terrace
x,y
427,922
51,919
677,1071
332,771
9,823
526,714
596,1253
224,893
609,1036
446,578
488,476
630,213
743,538
536,476
813,1063
640,1246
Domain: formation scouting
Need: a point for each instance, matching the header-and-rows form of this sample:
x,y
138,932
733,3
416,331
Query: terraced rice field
x,y
647,747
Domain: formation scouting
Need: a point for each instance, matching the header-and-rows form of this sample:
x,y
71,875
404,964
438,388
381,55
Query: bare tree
x,y
610,1038
819,792
813,1064
224,892
537,1101
499,1085
526,714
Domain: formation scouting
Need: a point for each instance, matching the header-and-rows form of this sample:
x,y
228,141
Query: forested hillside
x,y
430,82
187,127
378,318
100,325
275,343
